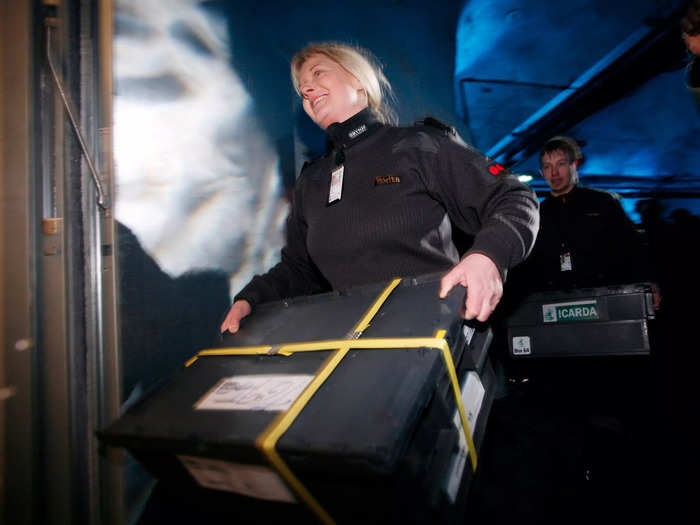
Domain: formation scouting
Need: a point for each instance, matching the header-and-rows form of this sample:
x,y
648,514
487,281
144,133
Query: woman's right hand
x,y
238,311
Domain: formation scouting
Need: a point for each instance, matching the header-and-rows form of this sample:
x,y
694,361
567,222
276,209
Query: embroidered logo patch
x,y
387,179
496,169
357,131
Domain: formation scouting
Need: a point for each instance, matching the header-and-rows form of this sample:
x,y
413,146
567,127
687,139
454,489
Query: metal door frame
x,y
60,366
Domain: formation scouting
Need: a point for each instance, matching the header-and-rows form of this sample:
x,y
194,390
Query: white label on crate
x,y
274,392
250,480
468,333
521,345
458,463
472,398
573,311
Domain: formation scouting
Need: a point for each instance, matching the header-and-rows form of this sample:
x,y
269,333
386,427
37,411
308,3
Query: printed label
x,y
250,480
458,464
568,312
472,398
274,392
521,345
468,333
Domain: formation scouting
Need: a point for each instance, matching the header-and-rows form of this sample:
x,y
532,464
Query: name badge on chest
x,y
335,192
565,262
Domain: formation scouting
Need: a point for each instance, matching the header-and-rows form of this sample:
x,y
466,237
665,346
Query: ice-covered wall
x,y
197,178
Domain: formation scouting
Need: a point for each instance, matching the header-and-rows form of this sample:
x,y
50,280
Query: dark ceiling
x,y
609,74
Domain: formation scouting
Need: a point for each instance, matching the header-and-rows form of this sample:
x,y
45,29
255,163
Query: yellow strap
x,y
330,344
377,343
360,327
450,366
244,350
268,439
370,313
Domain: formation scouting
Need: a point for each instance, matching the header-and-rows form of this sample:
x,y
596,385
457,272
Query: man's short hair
x,y
690,23
564,144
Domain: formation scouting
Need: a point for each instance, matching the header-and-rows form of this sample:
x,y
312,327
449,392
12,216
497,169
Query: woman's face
x,y
329,93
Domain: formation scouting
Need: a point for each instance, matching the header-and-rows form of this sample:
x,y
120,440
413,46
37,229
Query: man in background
x,y
585,237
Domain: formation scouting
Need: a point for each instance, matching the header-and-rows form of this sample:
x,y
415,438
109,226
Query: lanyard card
x,y
565,262
336,190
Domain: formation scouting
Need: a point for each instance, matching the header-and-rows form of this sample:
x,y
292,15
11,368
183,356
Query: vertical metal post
x,y
110,371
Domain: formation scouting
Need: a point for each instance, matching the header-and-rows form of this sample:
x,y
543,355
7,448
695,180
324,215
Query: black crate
x,y
377,442
602,321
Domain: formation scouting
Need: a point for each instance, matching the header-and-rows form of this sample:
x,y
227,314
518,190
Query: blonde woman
x,y
381,202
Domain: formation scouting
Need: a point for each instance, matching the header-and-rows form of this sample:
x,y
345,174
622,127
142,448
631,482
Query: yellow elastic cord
x,y
268,439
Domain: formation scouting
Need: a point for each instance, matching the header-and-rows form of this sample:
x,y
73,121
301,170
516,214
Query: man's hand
x,y
693,43
480,276
238,311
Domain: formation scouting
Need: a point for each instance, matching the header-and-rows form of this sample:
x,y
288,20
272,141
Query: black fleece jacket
x,y
402,189
592,227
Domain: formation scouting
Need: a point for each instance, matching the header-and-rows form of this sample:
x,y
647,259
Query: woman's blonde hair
x,y
362,65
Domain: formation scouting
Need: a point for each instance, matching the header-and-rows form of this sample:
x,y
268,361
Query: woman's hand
x,y
238,311
480,276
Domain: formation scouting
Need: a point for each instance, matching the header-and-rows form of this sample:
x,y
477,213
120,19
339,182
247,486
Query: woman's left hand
x,y
480,276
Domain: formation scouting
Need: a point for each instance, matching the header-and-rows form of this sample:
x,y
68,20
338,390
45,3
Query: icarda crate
x,y
601,321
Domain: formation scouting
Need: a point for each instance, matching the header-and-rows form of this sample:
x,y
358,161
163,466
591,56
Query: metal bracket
x,y
68,105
